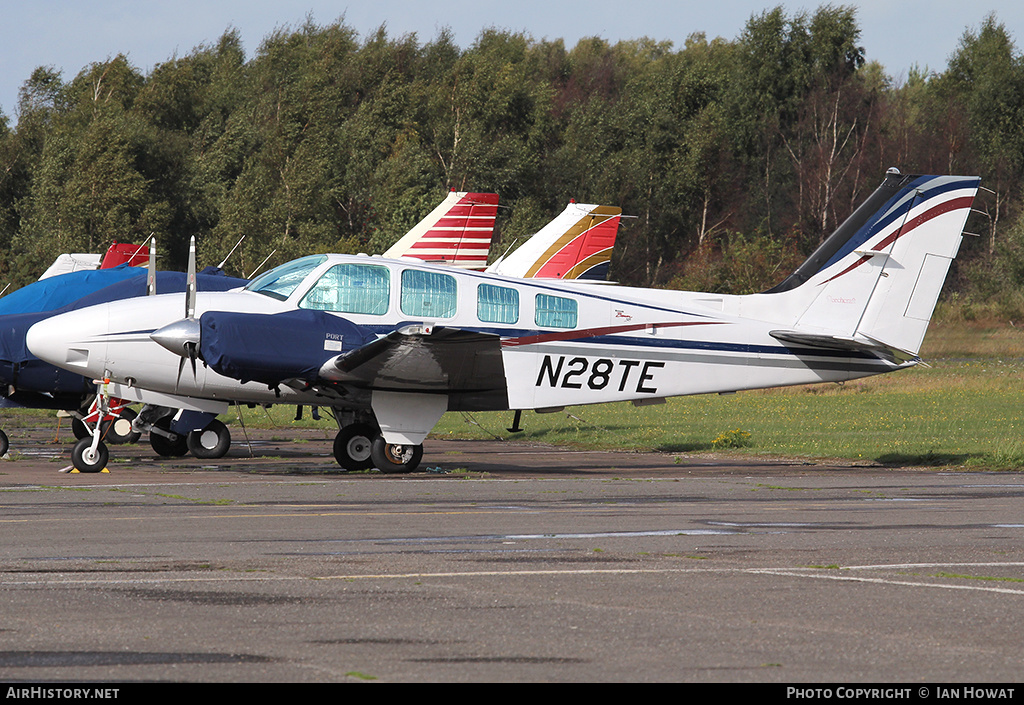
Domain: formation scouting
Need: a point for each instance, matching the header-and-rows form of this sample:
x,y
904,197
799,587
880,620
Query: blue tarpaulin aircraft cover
x,y
271,348
54,292
27,380
166,283
14,327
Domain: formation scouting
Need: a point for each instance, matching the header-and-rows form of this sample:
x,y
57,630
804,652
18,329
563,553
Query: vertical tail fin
x,y
123,252
457,232
575,245
874,283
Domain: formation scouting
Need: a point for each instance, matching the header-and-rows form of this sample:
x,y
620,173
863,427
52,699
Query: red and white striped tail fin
x,y
457,232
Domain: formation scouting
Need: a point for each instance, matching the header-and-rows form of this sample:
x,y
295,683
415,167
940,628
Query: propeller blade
x,y
190,282
190,352
151,271
190,348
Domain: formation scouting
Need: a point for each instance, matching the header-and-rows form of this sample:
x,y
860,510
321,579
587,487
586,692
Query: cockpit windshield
x,y
280,282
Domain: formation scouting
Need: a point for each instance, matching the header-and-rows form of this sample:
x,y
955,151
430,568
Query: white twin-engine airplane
x,y
392,344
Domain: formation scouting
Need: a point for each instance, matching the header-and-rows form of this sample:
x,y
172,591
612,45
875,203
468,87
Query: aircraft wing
x,y
312,347
421,358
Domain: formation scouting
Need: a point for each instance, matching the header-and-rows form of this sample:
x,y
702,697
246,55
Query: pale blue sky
x,y
70,34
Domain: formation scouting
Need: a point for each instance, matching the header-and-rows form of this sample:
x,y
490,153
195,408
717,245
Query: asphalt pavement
x,y
504,562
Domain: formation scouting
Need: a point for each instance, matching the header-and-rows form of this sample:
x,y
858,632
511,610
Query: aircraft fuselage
x,y
561,343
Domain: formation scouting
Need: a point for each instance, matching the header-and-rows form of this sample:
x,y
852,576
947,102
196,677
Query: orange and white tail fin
x,y
575,245
457,232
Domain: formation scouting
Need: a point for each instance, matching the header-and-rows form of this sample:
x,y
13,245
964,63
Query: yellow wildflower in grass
x,y
735,438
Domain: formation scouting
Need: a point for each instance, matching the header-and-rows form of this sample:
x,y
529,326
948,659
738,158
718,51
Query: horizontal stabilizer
x,y
835,342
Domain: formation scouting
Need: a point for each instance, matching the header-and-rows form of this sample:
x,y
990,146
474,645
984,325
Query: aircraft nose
x,y
49,340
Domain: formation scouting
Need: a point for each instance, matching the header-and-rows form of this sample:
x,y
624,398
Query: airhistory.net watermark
x,y
62,693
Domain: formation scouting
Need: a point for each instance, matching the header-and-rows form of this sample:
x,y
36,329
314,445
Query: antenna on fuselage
x,y
137,251
224,261
260,265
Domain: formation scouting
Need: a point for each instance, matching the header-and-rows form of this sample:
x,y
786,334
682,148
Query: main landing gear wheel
x,y
168,447
393,457
210,443
85,459
119,430
5,444
352,446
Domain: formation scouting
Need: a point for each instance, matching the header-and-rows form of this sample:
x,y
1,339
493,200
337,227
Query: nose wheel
x,y
90,454
85,458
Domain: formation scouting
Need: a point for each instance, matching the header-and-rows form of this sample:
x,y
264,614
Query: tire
x,y
85,460
119,431
5,443
394,458
167,447
210,443
353,446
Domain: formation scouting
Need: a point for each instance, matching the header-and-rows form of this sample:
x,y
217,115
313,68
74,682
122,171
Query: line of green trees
x,y
736,158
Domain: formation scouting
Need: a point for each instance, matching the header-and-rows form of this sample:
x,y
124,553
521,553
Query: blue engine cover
x,y
270,348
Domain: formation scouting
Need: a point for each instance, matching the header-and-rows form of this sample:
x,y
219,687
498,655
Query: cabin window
x,y
497,304
428,294
351,288
555,312
280,282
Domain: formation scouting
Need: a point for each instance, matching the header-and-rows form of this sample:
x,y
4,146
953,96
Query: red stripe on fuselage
x,y
594,332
